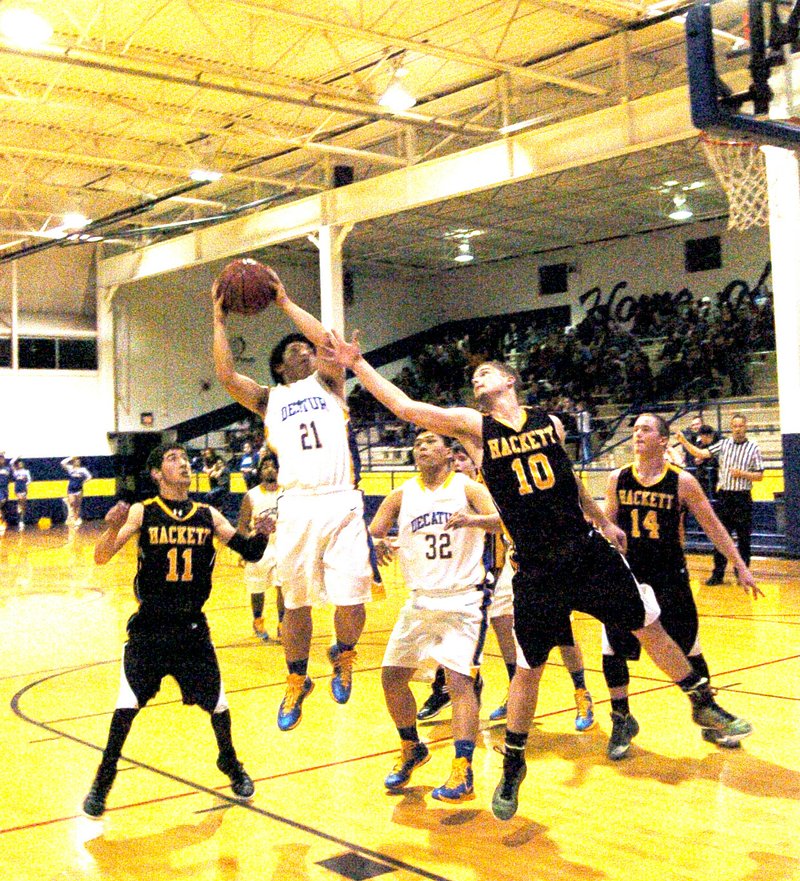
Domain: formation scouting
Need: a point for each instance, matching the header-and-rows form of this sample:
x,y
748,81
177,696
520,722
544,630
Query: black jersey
x,y
651,516
530,477
176,559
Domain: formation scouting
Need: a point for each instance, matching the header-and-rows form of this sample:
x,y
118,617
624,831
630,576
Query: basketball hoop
x,y
741,169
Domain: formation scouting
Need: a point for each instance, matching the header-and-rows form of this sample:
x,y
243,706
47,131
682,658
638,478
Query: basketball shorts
x,y
261,576
678,616
503,599
185,653
322,550
449,632
593,578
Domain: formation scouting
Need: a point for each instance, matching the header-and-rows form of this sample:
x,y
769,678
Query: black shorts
x,y
678,613
593,578
185,653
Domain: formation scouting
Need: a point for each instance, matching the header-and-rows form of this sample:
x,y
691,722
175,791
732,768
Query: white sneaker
x,y
20,526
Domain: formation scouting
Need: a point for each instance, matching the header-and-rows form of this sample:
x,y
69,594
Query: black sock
x,y
512,669
699,666
257,604
439,682
514,750
344,647
620,705
578,678
118,732
221,723
299,668
409,733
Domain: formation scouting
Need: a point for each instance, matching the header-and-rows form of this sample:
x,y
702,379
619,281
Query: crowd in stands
x,y
672,348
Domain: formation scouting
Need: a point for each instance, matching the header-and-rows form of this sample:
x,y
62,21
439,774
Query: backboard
x,y
767,109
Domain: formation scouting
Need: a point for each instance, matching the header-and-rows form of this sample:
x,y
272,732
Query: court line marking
x,y
197,787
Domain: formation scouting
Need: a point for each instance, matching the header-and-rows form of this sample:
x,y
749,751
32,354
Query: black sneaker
x,y
241,783
436,702
94,805
623,730
506,795
715,579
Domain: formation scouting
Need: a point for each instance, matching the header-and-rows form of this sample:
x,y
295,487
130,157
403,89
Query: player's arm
x,y
611,504
601,520
245,512
697,452
462,423
691,494
385,517
123,521
240,387
65,463
589,506
312,328
481,514
251,548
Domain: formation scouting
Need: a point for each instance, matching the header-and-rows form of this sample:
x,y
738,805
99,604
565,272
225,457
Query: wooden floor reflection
x,y
677,808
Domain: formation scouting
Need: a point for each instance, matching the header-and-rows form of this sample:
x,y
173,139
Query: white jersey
x,y
306,425
435,560
262,501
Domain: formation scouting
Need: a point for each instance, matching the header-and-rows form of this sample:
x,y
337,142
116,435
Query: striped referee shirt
x,y
745,456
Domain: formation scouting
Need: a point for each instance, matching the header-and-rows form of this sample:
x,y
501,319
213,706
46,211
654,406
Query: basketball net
x,y
741,169
740,166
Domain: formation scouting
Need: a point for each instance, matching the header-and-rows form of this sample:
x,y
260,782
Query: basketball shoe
x,y
298,687
459,784
241,783
259,629
584,707
342,680
94,805
501,712
413,754
711,717
506,795
623,730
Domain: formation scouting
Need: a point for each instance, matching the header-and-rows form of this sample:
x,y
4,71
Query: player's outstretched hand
x,y
337,350
265,524
748,583
117,515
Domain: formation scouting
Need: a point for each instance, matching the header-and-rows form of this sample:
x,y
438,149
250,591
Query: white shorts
x,y
322,550
503,599
261,576
426,637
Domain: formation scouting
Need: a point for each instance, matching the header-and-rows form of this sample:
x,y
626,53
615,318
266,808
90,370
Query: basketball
x,y
44,523
247,286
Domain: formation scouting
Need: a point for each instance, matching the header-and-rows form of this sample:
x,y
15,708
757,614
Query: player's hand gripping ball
x,y
246,286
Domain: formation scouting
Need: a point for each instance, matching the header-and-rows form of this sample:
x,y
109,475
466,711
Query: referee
x,y
740,464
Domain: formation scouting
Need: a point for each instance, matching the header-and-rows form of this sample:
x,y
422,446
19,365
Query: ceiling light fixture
x,y
464,254
204,175
681,209
25,28
397,98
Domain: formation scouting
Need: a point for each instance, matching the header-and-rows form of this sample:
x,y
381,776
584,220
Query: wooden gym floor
x,y
677,808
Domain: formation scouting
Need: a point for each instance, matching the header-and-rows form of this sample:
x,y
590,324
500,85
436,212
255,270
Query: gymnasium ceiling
x,y
109,117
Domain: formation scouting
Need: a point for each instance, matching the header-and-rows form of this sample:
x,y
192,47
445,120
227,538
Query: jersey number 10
x,y
540,470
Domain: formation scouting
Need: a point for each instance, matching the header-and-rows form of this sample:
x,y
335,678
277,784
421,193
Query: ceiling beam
x,y
638,125
419,46
294,92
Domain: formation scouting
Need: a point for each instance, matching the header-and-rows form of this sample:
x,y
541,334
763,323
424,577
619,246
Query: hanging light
x,y
25,28
681,211
464,254
204,175
397,98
